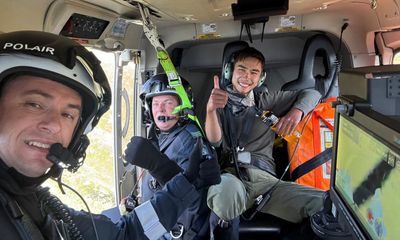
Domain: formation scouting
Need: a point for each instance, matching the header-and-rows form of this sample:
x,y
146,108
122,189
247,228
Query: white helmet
x,y
60,59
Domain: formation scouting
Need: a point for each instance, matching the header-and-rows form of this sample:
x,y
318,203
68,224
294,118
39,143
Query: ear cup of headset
x,y
225,79
263,76
228,71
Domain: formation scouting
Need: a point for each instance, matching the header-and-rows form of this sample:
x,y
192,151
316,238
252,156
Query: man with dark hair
x,y
53,92
232,123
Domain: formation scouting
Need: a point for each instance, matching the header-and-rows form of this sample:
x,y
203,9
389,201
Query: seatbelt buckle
x,y
244,157
177,233
239,149
131,202
153,184
222,223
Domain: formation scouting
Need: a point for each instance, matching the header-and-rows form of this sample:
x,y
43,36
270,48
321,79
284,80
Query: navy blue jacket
x,y
178,145
23,214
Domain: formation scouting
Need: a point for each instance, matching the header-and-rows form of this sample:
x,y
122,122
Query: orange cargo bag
x,y
316,136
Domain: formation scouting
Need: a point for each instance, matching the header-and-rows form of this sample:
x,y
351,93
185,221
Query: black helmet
x,y
158,85
60,59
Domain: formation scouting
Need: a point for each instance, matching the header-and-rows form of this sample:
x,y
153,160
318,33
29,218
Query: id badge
x,y
244,157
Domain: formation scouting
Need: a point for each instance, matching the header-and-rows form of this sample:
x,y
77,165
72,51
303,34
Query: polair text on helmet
x,y
22,46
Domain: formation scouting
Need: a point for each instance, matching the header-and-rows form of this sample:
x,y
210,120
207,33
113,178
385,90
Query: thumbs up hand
x,y
216,82
218,97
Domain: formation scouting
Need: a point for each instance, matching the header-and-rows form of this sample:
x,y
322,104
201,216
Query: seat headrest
x,y
321,46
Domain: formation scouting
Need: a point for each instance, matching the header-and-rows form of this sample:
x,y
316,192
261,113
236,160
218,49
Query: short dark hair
x,y
248,52
6,80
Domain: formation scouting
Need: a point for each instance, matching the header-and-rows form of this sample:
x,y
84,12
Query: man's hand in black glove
x,y
141,152
203,169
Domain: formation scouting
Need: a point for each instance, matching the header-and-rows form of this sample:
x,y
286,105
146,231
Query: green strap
x,y
175,81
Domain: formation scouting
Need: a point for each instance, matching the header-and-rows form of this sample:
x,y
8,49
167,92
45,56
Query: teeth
x,y
38,144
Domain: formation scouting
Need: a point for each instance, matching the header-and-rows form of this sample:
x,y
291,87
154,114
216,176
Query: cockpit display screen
x,y
368,179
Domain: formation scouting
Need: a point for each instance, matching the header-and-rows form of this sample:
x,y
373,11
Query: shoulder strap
x,y
194,131
239,128
170,139
247,126
23,223
199,226
311,164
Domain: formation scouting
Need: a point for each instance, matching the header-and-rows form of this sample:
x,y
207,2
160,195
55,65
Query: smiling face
x,y
246,74
163,106
34,113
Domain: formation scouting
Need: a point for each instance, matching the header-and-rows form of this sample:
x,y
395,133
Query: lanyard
x,y
174,80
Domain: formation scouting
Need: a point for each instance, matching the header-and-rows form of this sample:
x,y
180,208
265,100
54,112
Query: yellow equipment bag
x,y
316,137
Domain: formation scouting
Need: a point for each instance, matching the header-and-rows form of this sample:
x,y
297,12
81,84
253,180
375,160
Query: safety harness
x,y
23,223
199,225
238,134
57,224
240,124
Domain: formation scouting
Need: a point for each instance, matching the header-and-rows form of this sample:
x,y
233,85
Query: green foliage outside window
x,y
396,59
94,181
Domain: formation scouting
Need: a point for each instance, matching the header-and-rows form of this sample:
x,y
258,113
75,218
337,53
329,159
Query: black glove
x,y
141,152
203,169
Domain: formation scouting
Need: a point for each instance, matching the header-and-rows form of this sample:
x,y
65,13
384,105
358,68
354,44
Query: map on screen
x,y
368,179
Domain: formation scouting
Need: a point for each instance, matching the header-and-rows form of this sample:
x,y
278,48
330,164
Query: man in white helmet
x,y
52,93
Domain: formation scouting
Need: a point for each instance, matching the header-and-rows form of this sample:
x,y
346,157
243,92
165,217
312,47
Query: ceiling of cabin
x,y
204,11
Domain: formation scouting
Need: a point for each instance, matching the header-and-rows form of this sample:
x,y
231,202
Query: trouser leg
x,y
289,201
224,230
229,198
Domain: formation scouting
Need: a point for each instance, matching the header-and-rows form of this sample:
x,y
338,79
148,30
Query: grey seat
x,y
318,47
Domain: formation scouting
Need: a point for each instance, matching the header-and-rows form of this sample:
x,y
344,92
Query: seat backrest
x,y
316,46
227,61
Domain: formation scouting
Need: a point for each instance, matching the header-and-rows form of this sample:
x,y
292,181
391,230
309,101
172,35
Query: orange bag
x,y
316,137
